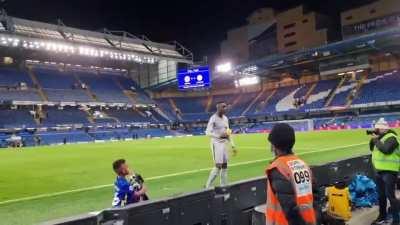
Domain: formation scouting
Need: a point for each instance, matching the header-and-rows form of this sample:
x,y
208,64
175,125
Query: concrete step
x,y
362,216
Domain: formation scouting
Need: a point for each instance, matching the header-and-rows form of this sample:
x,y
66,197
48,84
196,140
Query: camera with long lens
x,y
371,132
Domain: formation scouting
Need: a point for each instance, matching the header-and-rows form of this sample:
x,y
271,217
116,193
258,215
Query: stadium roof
x,y
104,41
296,63
309,59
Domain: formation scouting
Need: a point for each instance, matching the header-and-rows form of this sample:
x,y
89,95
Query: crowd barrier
x,y
231,205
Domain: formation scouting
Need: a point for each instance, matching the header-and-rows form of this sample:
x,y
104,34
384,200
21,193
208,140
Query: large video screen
x,y
193,78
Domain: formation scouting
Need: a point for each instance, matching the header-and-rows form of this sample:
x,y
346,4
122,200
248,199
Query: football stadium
x,y
77,106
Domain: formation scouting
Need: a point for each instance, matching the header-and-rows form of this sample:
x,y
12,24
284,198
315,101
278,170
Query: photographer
x,y
129,186
386,161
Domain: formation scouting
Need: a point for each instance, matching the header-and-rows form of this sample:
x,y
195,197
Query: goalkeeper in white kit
x,y
221,142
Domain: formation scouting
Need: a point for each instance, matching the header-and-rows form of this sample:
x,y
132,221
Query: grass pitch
x,y
44,183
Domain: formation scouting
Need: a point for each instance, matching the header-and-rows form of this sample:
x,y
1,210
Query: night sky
x,y
199,25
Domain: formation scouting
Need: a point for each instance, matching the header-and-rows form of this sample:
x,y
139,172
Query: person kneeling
x,y
129,186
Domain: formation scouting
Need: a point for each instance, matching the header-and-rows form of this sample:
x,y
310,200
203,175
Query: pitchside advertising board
x,y
193,78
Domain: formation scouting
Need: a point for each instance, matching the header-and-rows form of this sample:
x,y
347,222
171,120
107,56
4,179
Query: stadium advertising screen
x,y
192,78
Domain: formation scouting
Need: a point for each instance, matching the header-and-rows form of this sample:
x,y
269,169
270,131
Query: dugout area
x,y
236,204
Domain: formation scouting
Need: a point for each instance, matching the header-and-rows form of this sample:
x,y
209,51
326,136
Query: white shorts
x,y
220,152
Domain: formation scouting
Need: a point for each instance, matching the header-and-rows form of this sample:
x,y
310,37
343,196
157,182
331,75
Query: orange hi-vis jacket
x,y
299,174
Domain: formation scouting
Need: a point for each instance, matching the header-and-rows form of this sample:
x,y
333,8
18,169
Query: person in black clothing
x,y
385,179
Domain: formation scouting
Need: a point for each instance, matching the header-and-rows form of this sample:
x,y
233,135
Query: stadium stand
x,y
10,118
10,77
191,105
288,102
257,107
342,93
320,93
61,86
66,115
380,88
195,117
165,106
240,106
279,95
129,115
19,95
104,87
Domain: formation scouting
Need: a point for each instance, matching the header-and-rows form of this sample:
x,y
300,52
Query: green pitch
x,y
44,183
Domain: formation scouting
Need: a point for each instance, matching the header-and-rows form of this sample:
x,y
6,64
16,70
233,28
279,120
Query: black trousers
x,y
386,183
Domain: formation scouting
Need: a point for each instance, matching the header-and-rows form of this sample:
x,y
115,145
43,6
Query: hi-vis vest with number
x,y
299,174
384,162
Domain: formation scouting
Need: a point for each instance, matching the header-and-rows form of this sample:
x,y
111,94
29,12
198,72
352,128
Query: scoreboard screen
x,y
193,78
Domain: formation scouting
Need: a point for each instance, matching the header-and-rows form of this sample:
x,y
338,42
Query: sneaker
x,y
379,221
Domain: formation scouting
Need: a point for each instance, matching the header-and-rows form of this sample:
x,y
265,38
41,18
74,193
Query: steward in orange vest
x,y
289,188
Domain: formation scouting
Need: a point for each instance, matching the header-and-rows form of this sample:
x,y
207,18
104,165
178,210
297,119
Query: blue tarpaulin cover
x,y
363,191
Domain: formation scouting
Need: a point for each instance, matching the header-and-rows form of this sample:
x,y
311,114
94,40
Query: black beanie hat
x,y
282,137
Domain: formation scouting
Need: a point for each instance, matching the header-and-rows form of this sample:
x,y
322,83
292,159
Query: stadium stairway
x,y
209,103
264,104
310,91
162,113
89,116
106,116
255,100
236,100
41,116
173,105
331,95
140,112
39,88
352,96
87,89
128,93
131,96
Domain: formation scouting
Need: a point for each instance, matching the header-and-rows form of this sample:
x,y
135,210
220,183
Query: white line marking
x,y
164,176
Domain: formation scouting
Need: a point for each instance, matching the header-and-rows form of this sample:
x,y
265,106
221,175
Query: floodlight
x,y
224,68
246,81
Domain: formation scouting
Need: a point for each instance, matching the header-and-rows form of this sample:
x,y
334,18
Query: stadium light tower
x,y
247,81
224,67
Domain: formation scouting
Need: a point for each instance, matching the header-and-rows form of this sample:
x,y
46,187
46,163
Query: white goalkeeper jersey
x,y
216,127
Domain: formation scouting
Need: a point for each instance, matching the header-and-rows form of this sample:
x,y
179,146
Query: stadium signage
x,y
193,78
372,25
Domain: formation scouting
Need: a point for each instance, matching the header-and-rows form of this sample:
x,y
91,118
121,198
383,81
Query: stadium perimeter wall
x,y
231,205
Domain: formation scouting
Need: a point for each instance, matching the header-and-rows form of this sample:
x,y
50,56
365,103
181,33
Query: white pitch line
x,y
163,176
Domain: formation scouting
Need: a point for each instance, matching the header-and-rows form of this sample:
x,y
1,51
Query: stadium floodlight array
x,y
247,81
224,67
73,49
250,69
37,62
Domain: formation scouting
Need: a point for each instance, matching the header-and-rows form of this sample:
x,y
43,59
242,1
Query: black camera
x,y
371,132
